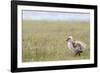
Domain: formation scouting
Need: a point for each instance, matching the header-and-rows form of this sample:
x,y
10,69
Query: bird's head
x,y
70,38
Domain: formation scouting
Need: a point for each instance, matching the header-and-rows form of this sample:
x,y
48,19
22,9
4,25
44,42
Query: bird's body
x,y
76,47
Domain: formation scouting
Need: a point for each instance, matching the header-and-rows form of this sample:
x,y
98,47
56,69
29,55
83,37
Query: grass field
x,y
46,40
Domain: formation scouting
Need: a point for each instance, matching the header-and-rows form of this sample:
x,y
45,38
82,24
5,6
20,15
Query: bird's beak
x,y
67,39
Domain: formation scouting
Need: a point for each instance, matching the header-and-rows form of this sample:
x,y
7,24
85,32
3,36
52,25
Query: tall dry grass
x,y
45,40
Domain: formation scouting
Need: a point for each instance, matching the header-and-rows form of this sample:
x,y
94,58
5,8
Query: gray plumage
x,y
76,47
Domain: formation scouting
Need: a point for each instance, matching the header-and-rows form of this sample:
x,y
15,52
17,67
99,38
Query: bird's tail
x,y
83,45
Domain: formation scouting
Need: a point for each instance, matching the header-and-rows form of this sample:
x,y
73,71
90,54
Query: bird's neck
x,y
70,44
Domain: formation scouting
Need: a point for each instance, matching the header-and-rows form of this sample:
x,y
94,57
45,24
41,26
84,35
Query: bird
x,y
77,47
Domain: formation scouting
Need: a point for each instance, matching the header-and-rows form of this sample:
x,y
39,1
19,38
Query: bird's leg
x,y
76,53
79,54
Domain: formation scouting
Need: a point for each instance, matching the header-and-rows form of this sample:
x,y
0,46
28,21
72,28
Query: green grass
x,y
45,40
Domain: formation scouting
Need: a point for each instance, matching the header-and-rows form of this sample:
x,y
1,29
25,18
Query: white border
x,y
52,63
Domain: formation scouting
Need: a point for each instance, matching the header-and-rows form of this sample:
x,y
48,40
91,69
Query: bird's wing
x,y
83,45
